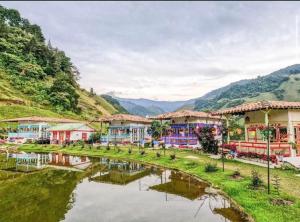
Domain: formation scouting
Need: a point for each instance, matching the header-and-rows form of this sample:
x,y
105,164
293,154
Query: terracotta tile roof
x,y
125,117
42,119
184,113
260,105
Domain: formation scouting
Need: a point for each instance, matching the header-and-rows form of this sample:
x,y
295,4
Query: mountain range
x,y
283,84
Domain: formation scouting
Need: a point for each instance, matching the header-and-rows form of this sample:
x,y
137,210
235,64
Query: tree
x,y
92,92
63,95
207,139
157,129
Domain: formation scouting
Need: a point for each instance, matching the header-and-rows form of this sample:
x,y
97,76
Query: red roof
x,y
41,119
260,105
125,117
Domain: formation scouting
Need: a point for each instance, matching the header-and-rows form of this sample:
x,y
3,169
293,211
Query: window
x,y
283,134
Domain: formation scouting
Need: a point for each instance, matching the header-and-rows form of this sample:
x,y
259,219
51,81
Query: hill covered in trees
x,y
39,79
283,84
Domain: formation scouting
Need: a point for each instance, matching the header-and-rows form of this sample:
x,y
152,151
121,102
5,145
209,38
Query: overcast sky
x,y
168,50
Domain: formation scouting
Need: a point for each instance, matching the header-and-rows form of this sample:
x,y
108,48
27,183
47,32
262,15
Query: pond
x,y
58,187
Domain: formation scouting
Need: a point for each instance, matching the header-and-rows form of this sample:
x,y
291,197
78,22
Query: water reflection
x,y
61,187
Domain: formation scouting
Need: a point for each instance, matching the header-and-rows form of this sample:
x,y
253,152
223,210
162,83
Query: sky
x,y
168,50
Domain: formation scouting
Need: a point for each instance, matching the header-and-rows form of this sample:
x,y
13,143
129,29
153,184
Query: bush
x,y
107,148
147,145
172,156
236,173
231,147
210,167
158,154
256,180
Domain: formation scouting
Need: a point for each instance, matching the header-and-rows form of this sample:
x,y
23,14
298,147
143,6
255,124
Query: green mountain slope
x,y
283,84
38,79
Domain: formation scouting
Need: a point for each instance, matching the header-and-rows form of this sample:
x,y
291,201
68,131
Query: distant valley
x,y
283,84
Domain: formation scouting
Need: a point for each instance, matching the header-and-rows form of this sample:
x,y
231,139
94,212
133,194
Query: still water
x,y
57,187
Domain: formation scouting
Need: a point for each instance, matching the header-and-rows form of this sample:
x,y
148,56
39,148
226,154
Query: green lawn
x,y
254,202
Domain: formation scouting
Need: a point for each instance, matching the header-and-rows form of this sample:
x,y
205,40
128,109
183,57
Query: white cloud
x,y
168,50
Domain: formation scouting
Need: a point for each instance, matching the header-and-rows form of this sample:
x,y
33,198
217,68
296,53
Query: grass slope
x,y
14,104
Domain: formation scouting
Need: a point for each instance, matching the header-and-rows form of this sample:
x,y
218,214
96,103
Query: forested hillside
x,y
283,84
38,78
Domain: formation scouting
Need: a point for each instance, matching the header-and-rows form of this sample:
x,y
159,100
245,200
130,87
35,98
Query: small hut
x,y
183,127
70,132
125,128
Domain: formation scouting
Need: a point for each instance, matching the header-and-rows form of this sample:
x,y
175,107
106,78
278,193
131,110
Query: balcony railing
x,y
25,135
112,137
261,147
180,140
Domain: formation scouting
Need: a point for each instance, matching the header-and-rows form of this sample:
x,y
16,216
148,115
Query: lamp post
x,y
268,145
268,154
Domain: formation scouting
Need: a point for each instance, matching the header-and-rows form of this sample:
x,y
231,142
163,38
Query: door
x,y
61,136
68,136
84,136
54,135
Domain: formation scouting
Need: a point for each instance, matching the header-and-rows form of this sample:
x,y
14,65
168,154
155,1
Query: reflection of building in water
x,y
59,159
36,160
119,172
182,185
229,214
39,160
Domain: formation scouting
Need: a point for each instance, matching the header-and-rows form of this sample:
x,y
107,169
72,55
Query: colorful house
x,y
283,120
33,128
70,132
184,125
125,128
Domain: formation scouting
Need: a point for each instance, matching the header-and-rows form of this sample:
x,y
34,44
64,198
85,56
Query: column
x,y
246,133
40,130
131,134
138,134
227,125
290,128
291,133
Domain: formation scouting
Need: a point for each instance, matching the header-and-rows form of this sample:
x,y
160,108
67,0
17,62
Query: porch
x,y
276,148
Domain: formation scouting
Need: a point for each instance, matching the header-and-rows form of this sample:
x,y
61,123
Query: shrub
x,y
256,180
231,147
236,173
173,156
107,148
210,167
276,183
158,154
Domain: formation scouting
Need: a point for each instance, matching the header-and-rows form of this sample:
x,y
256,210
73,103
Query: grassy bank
x,y
257,203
